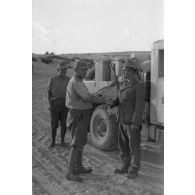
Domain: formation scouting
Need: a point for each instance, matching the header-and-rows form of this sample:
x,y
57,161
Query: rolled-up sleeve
x,y
49,86
81,90
140,104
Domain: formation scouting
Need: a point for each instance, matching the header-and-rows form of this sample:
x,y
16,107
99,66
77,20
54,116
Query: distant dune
x,y
140,55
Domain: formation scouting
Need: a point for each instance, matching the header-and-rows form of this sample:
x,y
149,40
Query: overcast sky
x,y
80,26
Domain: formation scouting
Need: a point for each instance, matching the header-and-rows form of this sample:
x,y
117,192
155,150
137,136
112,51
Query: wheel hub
x,y
100,127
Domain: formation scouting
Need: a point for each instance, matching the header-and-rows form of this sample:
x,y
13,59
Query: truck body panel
x,y
157,84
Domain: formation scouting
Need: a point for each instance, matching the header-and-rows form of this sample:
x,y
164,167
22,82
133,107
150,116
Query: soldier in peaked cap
x,y
56,96
131,95
79,101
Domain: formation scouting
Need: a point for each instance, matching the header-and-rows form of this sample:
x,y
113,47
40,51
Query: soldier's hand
x,y
50,108
109,102
134,127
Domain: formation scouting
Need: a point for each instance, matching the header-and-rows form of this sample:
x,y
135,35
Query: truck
x,y
104,122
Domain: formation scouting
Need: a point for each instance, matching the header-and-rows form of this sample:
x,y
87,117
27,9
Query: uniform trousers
x,y
129,145
58,115
78,121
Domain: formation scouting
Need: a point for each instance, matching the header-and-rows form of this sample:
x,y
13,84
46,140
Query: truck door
x,y
157,84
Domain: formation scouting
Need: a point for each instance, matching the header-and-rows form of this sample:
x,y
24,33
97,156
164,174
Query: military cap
x,y
64,64
80,64
145,66
130,65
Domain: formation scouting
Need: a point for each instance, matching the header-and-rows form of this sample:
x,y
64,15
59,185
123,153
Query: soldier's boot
x,y
79,168
131,175
132,172
53,136
63,132
124,167
71,165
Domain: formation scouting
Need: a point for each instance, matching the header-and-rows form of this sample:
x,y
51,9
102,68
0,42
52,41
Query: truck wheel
x,y
103,129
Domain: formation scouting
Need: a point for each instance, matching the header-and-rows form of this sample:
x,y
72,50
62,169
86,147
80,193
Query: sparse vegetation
x,y
47,60
33,69
34,59
150,180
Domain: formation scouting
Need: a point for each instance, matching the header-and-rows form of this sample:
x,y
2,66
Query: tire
x,y
104,129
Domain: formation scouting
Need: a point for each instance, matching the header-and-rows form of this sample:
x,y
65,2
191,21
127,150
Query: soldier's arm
x,y
49,92
115,81
115,103
96,99
139,105
83,93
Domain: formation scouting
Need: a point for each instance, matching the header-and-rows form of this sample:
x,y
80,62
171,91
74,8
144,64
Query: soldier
x,y
131,96
56,96
79,102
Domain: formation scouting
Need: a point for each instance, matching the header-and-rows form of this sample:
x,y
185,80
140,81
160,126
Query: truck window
x,y
161,63
90,76
106,71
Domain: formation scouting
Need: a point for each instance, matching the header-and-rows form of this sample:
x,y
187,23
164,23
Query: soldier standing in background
x,y
56,96
79,101
131,95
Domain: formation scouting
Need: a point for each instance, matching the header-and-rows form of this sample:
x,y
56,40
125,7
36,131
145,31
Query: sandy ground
x,y
50,165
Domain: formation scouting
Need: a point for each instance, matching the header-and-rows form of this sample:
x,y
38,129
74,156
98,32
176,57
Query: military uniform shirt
x,y
57,86
77,95
131,97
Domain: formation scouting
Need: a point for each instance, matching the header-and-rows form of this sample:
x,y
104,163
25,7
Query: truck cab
x,y
104,124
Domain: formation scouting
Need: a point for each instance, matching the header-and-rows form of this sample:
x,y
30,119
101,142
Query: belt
x,y
57,98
